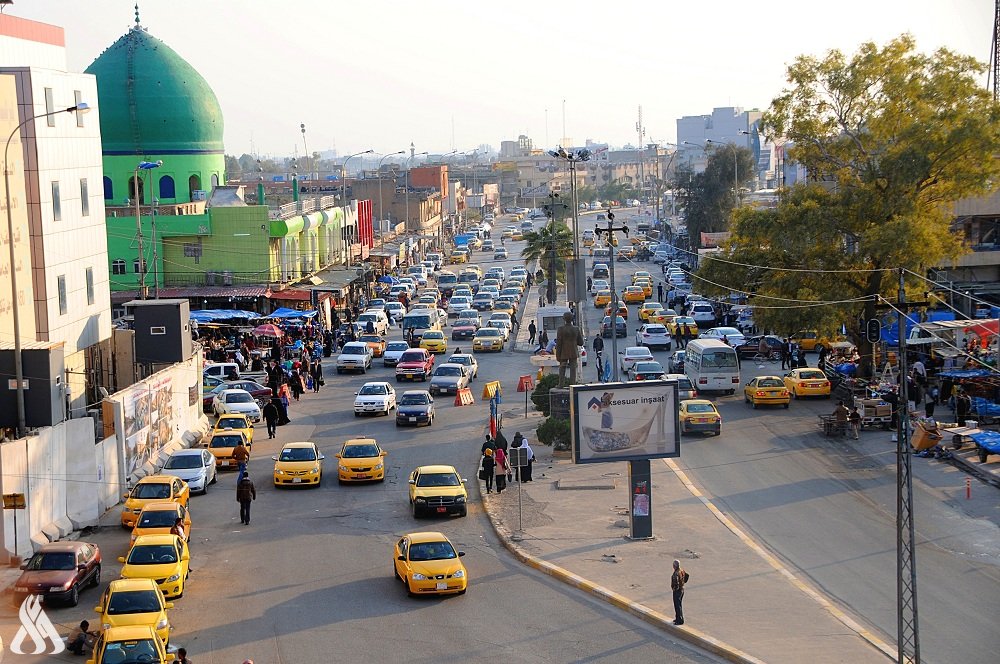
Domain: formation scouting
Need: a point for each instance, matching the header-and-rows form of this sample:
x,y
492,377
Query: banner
x,y
624,421
712,240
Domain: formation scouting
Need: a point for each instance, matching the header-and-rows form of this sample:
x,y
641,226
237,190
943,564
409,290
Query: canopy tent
x,y
285,312
215,315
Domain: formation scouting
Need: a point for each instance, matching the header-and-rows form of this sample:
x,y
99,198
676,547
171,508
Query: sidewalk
x,y
741,603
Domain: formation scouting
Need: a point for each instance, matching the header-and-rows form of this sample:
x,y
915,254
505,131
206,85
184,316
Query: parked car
x,y
58,571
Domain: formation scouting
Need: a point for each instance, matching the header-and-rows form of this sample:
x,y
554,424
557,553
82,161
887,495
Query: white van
x,y
712,366
378,318
420,321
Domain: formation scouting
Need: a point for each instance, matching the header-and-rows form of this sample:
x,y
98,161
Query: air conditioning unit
x,y
210,278
227,278
198,195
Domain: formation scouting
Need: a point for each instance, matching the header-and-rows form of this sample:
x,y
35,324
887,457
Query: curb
x,y
651,616
974,469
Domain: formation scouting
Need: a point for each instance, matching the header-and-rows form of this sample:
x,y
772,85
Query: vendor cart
x,y
874,412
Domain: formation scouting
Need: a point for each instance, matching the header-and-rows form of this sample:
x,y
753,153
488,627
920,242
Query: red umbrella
x,y
268,330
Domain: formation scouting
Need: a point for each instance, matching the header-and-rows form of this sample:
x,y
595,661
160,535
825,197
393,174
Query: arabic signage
x,y
624,421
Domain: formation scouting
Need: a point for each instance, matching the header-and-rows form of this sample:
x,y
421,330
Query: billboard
x,y
624,421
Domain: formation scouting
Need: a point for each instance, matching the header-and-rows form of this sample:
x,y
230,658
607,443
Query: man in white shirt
x,y
920,372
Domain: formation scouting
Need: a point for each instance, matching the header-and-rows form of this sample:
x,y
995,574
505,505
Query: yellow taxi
x,y
163,559
646,285
517,235
488,338
641,274
647,309
699,415
662,316
361,460
434,341
375,342
149,489
807,383
633,295
602,299
622,311
766,390
298,464
457,256
429,564
811,340
588,240
686,323
223,443
157,518
134,603
437,490
138,643
236,422
504,306
627,252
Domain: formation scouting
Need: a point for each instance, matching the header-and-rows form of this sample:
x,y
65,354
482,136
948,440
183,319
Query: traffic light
x,y
873,330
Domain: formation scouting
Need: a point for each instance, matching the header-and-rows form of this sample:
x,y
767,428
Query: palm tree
x,y
550,246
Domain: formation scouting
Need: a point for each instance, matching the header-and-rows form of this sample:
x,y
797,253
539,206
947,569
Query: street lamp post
x,y
574,157
142,166
15,313
406,183
343,184
306,147
381,214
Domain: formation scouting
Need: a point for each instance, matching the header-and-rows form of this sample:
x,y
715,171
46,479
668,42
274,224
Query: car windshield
x,y
370,338
417,399
238,397
433,335
366,451
131,652
157,519
351,349
719,360
52,561
397,345
151,490
458,359
488,332
438,479
373,389
432,551
656,329
448,371
224,441
684,384
133,601
769,382
152,554
183,462
700,408
420,320
297,454
648,367
812,375
412,356
727,331
231,423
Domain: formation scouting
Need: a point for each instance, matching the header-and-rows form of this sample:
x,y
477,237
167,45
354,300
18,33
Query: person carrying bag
x,y
487,468
502,469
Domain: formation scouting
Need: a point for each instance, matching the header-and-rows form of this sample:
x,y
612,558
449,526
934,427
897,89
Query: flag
x,y
493,417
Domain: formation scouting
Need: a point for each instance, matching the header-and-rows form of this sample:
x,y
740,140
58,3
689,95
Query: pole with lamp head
x,y
343,199
381,213
573,157
406,182
15,309
305,146
137,196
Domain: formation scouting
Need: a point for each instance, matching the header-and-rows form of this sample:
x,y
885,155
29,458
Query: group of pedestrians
x,y
495,468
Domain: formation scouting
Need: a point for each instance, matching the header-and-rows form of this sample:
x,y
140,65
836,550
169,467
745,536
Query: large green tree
x,y
890,137
710,197
550,245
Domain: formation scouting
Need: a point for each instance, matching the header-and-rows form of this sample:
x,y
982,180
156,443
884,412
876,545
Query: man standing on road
x,y
241,455
270,414
246,492
677,581
532,330
659,292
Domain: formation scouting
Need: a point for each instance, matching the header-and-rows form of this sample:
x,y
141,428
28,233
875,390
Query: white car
x,y
469,317
196,466
375,397
355,356
519,271
393,350
732,336
653,335
468,361
633,354
378,319
239,402
599,285
500,254
458,304
395,308
661,257
500,324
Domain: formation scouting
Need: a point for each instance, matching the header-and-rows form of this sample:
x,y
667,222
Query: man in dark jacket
x,y
270,414
246,493
241,455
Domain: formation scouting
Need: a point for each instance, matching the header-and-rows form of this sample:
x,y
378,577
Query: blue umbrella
x,y
387,279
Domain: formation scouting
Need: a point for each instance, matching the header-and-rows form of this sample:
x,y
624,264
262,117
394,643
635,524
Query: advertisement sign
x,y
624,421
713,240
148,422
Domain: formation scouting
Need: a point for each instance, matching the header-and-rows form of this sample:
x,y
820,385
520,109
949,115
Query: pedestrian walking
x,y
854,422
246,493
786,353
241,455
487,467
488,444
526,470
502,468
532,330
317,376
678,337
677,582
659,292
270,415
182,656
284,393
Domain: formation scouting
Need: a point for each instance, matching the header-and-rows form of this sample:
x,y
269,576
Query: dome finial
x,y
137,14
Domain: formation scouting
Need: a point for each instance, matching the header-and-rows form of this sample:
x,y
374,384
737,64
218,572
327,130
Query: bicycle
x,y
765,357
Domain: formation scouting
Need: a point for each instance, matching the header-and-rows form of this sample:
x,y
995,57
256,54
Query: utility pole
x,y
551,207
609,232
642,133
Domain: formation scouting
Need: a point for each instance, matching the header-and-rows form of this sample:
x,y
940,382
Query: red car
x,y
459,332
414,364
260,393
59,571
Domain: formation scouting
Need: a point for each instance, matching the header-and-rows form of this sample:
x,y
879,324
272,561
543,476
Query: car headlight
x,y
378,466
172,578
105,625
460,574
279,471
314,471
459,499
162,623
343,468
419,577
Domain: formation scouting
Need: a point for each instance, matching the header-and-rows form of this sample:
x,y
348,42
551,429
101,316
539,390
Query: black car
x,y
751,346
676,364
459,332
621,328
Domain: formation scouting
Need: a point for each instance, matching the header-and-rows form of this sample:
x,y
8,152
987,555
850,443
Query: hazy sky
x,y
454,74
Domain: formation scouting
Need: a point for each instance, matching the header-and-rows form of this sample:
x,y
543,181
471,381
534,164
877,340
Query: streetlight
x,y
18,368
343,184
306,146
143,166
574,157
381,213
406,181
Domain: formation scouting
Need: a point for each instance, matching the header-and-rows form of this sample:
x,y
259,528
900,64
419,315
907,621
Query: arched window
x,y
137,195
118,265
215,180
109,189
167,189
194,184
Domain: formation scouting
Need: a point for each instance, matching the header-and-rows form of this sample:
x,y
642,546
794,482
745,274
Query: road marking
x,y
848,621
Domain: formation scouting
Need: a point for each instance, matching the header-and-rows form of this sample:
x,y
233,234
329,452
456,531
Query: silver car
x,y
449,378
195,466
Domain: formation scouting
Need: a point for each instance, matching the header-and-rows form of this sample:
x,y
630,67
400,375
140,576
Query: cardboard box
x,y
924,438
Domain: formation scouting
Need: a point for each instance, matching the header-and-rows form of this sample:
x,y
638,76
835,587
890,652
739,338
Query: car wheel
x,y
340,370
786,405
416,510
754,404
795,395
96,579
74,595
357,414
464,512
409,590
395,574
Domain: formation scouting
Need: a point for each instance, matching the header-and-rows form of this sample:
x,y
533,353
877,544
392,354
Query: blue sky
x,y
449,75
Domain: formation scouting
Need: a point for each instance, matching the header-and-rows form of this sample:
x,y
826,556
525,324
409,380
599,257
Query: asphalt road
x,y
828,509
310,580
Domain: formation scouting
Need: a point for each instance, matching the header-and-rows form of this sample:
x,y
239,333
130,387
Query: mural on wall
x,y
148,422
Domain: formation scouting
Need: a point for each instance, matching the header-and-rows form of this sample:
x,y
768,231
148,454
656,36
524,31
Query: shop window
x,y
118,266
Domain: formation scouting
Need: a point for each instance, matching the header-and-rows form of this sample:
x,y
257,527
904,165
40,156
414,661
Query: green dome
x,y
152,101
